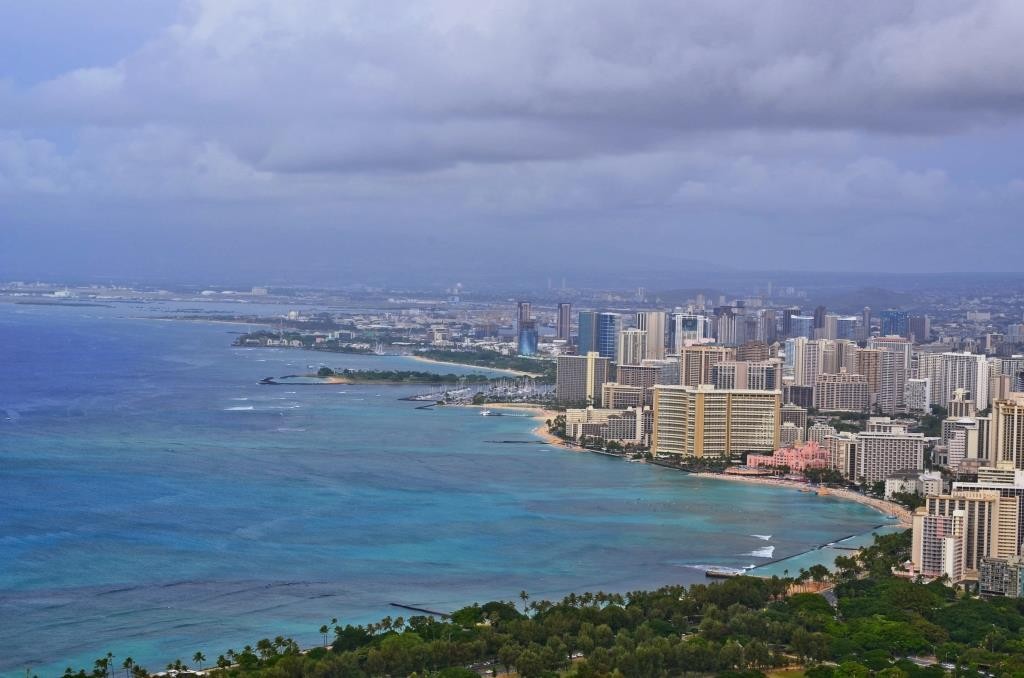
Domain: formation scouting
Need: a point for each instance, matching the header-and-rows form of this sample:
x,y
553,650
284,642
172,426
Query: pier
x,y
424,610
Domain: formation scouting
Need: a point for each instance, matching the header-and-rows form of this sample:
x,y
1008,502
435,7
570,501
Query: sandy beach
x,y
541,415
886,507
515,373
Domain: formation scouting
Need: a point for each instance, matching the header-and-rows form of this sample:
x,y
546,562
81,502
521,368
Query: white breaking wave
x,y
763,537
241,408
765,552
239,398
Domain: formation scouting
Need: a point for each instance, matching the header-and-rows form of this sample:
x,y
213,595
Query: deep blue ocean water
x,y
155,500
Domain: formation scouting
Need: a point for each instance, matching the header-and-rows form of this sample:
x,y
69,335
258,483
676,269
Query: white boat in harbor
x,y
486,413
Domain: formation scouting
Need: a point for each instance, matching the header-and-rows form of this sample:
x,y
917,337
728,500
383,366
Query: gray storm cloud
x,y
697,124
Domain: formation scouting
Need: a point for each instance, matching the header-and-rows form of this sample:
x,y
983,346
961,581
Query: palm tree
x,y
199,658
323,631
127,664
524,596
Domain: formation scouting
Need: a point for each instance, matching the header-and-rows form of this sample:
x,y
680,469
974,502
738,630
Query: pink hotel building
x,y
797,459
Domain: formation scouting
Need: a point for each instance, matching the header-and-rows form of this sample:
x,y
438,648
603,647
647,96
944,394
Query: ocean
x,y
156,500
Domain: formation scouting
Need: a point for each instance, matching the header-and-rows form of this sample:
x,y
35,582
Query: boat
x,y
722,572
486,413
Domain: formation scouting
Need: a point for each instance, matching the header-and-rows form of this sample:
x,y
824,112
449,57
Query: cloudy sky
x,y
332,139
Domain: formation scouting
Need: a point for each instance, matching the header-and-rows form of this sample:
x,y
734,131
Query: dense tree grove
x,y
744,626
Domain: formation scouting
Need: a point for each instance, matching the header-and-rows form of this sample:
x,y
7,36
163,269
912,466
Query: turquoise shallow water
x,y
155,500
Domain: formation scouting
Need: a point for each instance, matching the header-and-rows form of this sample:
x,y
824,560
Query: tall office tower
x,y
840,327
882,453
918,395
798,395
865,323
525,314
740,374
787,320
894,323
920,329
767,326
563,328
846,355
819,317
1006,438
843,392
801,326
607,334
695,363
894,368
685,329
705,422
528,338
653,322
968,371
578,378
632,346
587,332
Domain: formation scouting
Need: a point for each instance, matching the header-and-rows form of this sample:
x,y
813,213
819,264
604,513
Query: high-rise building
x,y
807,359
563,329
842,392
787,320
819,317
968,371
632,346
931,366
819,433
524,314
881,453
895,323
598,332
894,368
578,378
704,422
528,337
695,363
653,322
796,415
685,329
918,395
753,351
801,326
587,332
1006,438
865,323
740,374
842,448
607,336
920,329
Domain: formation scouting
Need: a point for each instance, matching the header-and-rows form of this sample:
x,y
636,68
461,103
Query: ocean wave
x,y
239,398
766,552
240,408
763,537
285,429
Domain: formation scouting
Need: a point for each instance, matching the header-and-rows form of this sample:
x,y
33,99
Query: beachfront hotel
x,y
705,422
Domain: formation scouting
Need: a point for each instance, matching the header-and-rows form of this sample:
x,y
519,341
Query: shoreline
x,y
902,514
540,415
504,370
